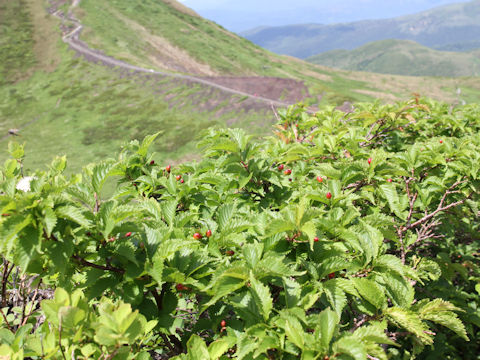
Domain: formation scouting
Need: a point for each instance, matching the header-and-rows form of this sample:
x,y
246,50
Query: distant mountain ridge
x,y
402,57
449,26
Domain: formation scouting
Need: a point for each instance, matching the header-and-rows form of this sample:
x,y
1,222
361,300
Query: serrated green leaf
x,y
74,214
327,324
370,291
351,346
100,174
197,349
411,322
294,331
262,297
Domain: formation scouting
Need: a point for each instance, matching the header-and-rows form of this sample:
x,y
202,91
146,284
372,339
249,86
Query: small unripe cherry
x,y
329,195
369,161
208,233
389,180
223,323
168,168
319,179
197,236
128,234
141,245
331,275
281,167
288,172
316,239
178,177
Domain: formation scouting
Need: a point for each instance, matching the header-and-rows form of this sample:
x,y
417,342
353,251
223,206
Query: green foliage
x,y
384,268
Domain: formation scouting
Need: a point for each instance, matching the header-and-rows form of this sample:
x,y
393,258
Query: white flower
x,y
24,183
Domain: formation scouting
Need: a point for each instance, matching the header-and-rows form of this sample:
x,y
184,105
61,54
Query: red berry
x,y
316,239
331,275
441,141
168,168
152,162
329,195
208,233
319,179
288,172
179,287
178,177
369,161
182,181
197,236
389,180
223,323
230,252
281,167
128,234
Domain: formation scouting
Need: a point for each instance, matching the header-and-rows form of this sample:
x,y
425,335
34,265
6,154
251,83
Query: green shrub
x,y
343,236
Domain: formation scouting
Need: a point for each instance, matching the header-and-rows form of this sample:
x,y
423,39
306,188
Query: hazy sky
x,y
239,15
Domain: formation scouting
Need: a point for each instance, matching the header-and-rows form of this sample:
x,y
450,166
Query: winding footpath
x,y
73,40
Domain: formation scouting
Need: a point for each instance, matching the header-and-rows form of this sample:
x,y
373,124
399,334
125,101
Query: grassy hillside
x,y
401,57
450,26
166,35
28,40
86,110
63,104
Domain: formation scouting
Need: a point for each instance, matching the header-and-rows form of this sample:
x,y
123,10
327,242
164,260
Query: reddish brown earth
x,y
288,90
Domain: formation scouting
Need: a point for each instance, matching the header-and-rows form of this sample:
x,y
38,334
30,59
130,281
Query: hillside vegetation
x,y
65,104
455,26
401,57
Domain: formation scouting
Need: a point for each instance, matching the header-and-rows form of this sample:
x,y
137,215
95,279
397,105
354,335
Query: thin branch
x,y
33,302
5,320
429,216
275,112
6,274
97,203
60,339
84,262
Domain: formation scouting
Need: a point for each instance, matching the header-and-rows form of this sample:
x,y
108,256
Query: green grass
x,y
401,57
127,29
96,111
16,40
205,41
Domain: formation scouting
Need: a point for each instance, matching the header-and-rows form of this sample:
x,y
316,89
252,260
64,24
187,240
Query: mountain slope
x,y
76,103
401,57
456,25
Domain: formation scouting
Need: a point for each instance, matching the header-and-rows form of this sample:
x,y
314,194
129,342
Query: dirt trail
x,y
73,40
